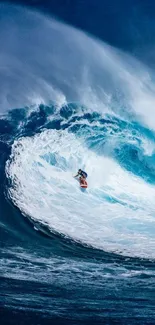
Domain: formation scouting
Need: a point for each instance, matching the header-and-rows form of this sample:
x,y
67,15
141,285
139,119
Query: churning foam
x,y
116,213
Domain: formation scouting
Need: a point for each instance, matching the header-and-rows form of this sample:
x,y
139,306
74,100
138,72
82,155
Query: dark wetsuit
x,y
83,174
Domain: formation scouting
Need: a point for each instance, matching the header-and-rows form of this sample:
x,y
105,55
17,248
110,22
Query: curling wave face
x,y
115,213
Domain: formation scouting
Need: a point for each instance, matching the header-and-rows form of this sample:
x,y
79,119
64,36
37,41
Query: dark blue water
x,y
77,96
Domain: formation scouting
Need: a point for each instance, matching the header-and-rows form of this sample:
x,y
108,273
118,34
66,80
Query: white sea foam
x,y
41,170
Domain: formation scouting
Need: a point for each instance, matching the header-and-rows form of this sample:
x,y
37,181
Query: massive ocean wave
x,y
69,101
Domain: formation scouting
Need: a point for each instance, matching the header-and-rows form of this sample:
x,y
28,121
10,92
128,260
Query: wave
x,y
85,104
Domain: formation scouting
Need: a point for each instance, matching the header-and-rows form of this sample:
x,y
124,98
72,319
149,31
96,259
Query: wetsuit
x,y
83,174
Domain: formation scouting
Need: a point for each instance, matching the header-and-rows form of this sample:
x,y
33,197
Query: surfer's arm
x,y
76,175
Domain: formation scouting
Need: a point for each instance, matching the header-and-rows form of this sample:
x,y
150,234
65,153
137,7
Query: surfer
x,y
82,175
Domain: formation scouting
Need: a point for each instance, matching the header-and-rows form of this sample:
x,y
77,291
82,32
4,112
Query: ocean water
x,y
77,91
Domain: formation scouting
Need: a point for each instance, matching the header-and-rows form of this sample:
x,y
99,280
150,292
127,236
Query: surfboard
x,y
83,183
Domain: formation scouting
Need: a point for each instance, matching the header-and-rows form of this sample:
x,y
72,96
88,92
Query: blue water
x,y
77,96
